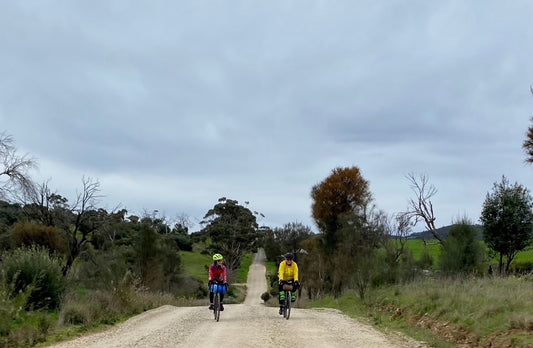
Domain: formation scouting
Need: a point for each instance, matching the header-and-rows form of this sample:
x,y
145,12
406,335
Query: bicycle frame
x,y
287,288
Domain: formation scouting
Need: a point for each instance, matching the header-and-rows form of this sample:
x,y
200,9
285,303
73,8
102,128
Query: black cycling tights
x,y
212,295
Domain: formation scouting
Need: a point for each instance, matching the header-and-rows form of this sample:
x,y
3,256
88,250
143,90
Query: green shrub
x,y
426,260
27,234
522,267
461,252
184,243
265,296
33,268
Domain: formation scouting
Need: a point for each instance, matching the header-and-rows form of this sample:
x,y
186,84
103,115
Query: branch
x,y
421,207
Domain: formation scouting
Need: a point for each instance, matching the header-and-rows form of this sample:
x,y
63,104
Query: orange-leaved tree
x,y
343,192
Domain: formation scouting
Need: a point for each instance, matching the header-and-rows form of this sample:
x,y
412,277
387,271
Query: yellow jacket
x,y
287,272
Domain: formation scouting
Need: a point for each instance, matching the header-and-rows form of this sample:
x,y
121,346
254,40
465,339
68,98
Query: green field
x,y
416,246
195,264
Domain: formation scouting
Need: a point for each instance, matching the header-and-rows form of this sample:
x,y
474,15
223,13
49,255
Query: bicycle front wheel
x,y
288,305
216,303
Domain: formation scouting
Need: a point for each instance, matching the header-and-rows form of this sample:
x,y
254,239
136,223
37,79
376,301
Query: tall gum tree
x,y
233,230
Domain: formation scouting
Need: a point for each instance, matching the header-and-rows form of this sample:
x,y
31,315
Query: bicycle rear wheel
x,y
216,303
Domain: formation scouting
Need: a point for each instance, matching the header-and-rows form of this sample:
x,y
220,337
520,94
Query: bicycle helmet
x,y
289,256
217,257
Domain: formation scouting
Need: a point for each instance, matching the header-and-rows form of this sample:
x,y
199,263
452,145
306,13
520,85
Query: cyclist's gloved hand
x,y
297,284
226,284
210,282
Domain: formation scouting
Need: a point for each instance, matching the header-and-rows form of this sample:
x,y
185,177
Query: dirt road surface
x,y
250,324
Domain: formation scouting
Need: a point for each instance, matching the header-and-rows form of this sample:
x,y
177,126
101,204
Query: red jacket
x,y
217,272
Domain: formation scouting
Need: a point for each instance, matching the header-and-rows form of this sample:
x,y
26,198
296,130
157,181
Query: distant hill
x,y
443,232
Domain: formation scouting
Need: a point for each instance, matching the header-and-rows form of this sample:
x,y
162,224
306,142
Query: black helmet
x,y
289,256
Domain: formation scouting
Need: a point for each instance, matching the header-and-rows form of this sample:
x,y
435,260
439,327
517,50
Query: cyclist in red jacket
x,y
217,274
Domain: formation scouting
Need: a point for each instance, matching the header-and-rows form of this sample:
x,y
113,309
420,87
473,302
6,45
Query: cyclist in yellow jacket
x,y
288,271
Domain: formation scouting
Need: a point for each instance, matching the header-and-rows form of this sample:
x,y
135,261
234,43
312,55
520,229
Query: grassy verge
x,y
271,267
242,273
471,312
91,311
195,264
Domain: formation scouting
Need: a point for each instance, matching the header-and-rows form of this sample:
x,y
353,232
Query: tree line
x,y
357,246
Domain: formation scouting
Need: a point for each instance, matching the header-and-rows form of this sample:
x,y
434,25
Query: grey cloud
x,y
264,99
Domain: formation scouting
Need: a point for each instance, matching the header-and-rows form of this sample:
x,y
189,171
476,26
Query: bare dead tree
x,y
184,221
86,219
397,229
43,201
420,208
15,181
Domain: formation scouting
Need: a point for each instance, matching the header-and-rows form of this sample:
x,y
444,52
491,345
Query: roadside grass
x,y
471,312
93,310
86,311
242,273
271,267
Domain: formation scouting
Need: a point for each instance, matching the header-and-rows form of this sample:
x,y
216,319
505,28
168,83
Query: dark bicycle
x,y
288,288
217,288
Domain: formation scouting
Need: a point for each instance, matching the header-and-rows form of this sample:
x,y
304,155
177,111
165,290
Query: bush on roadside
x,y
18,326
522,267
94,307
27,234
265,296
33,268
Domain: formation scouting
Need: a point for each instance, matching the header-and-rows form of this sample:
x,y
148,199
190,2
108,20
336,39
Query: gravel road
x,y
250,324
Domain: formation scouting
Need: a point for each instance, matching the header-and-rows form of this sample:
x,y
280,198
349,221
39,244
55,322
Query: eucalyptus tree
x,y
281,240
232,229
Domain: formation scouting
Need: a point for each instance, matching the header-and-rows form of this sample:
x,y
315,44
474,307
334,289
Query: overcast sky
x,y
174,104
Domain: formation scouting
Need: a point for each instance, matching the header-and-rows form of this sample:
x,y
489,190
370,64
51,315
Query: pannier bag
x,y
287,287
217,288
